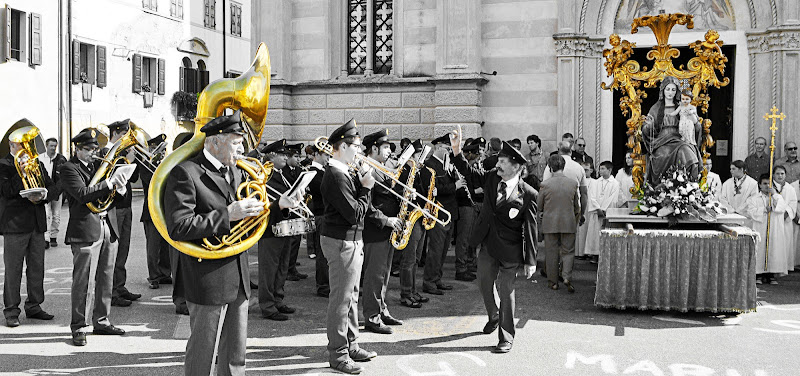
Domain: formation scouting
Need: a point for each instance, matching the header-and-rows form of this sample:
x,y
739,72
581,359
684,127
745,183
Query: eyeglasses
x,y
794,148
90,150
581,145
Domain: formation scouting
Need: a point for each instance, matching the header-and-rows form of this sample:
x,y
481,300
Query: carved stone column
x,y
579,76
774,80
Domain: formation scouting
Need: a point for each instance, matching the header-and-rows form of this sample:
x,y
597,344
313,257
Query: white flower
x,y
681,179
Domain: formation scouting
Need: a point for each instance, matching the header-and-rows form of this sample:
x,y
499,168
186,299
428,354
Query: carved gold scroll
x,y
628,76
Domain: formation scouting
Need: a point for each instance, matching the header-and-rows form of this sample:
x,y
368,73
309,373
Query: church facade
x,y
418,67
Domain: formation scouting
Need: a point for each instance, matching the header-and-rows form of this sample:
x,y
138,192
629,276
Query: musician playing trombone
x,y
506,230
377,250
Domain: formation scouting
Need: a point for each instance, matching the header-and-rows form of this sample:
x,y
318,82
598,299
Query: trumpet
x,y
394,175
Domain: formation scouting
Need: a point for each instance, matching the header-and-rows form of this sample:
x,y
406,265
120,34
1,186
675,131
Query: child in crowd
x,y
603,194
625,179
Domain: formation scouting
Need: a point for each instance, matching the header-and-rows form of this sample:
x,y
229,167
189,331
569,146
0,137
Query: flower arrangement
x,y
84,77
678,197
146,88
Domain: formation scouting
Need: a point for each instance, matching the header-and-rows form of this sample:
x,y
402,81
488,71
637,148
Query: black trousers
x,y
124,218
27,248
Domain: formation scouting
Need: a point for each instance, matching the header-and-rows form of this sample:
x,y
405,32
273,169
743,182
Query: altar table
x,y
680,270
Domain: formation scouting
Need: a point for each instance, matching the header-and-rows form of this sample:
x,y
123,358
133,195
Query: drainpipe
x,y
67,62
224,40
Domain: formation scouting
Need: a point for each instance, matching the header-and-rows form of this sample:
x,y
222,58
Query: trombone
x,y
303,212
394,175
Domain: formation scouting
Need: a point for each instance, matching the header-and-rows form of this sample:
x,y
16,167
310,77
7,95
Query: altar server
x,y
625,179
713,182
603,193
769,261
737,189
790,196
580,236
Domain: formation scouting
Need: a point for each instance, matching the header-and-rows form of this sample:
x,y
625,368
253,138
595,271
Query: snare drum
x,y
292,227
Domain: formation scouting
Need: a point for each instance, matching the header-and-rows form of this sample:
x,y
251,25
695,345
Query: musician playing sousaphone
x,y
23,224
200,202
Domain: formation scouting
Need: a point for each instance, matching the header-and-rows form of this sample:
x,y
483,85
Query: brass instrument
x,y
30,173
323,145
249,93
430,206
134,138
399,238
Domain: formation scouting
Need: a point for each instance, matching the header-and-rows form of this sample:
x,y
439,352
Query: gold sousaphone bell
x,y
249,93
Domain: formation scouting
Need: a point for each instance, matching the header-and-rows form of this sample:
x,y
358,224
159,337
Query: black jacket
x,y
84,225
19,215
316,204
509,229
347,204
445,187
196,198
375,229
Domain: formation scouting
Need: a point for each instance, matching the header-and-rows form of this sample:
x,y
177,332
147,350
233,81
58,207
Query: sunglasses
x,y
794,148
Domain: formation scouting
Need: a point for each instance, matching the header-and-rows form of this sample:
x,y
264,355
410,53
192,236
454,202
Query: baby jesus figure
x,y
688,114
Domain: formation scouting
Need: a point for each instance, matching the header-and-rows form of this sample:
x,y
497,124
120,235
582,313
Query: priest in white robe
x,y
770,251
713,182
790,196
603,194
736,191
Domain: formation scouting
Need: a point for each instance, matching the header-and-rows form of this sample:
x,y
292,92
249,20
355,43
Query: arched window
x,y
202,75
187,63
370,36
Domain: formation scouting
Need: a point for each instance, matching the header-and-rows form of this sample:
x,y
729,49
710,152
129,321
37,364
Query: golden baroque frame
x,y
628,76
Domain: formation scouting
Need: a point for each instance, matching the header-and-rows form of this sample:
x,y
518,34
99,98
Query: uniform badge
x,y
513,212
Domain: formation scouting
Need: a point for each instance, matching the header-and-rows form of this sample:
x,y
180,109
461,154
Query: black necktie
x,y
501,192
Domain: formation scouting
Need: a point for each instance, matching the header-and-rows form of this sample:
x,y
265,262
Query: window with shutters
x,y
202,76
16,34
370,36
84,69
148,74
210,13
236,19
150,5
176,8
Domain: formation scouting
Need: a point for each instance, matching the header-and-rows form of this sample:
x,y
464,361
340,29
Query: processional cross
x,y
627,75
774,117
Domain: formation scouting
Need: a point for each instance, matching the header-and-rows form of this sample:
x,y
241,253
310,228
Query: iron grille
x,y
357,31
384,15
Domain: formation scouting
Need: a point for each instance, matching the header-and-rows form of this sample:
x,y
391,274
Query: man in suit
x,y
439,236
377,250
347,201
318,162
200,203
121,297
291,171
560,213
23,224
465,195
273,252
506,230
52,161
92,236
158,264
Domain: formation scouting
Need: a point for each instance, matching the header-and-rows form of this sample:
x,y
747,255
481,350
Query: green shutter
x,y
36,39
7,34
101,66
91,59
76,62
161,73
137,73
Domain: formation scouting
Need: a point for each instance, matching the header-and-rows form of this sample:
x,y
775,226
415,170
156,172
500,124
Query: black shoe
x,y
465,276
395,273
286,309
348,366
443,287
130,296
79,339
362,355
502,347
552,285
434,291
253,286
410,303
420,298
292,277
182,309
46,245
570,288
108,330
389,320
53,242
165,280
302,275
120,302
66,241
153,285
491,326
12,322
277,316
378,328
41,315
324,292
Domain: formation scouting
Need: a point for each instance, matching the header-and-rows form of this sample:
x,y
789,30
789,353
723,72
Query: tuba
x,y
135,138
249,93
31,173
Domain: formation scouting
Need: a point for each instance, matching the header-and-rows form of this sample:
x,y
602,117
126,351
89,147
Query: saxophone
x,y
399,239
429,222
